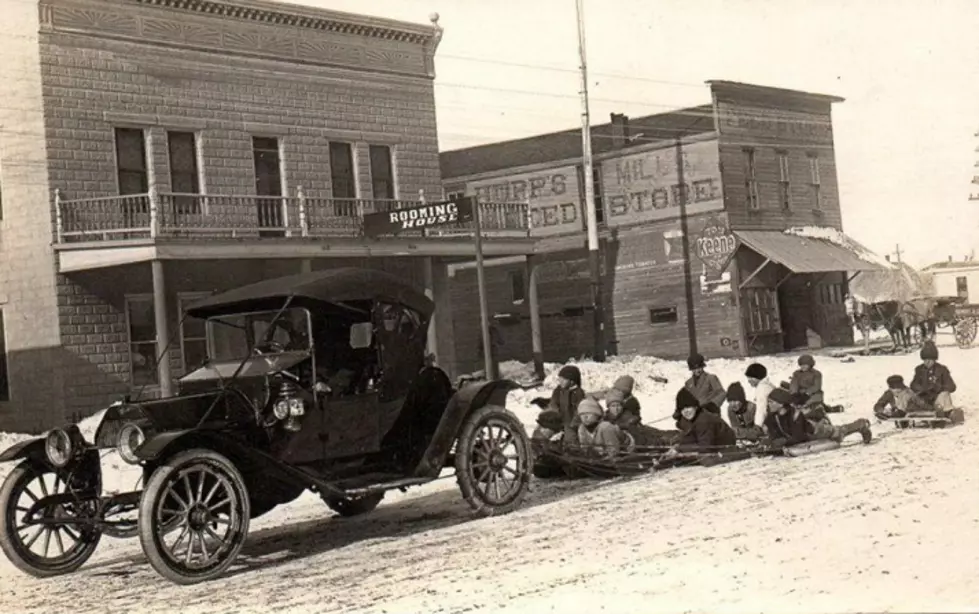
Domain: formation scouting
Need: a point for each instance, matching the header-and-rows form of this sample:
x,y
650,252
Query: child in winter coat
x,y
561,413
788,424
706,387
700,430
598,437
741,413
807,380
932,380
617,413
630,404
899,400
757,376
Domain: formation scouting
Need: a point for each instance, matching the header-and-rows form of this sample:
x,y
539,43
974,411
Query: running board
x,y
385,486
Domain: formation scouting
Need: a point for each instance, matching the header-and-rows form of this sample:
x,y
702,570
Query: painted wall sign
x,y
553,196
716,245
782,124
644,186
413,218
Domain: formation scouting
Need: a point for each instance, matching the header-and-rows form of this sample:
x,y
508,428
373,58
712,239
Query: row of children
x,y
793,413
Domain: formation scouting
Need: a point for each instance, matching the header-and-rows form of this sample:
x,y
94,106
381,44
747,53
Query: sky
x,y
909,71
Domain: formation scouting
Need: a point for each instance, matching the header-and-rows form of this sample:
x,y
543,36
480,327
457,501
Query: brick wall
x,y
27,261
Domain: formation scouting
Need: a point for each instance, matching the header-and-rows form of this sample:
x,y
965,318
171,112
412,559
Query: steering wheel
x,y
269,347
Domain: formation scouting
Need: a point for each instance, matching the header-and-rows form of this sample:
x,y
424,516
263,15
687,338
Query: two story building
x,y
719,226
155,151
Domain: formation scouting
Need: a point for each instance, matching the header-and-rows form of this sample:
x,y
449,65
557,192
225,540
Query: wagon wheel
x,y
193,516
41,550
493,458
965,332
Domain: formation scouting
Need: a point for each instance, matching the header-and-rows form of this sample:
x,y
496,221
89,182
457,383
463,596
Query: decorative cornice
x,y
276,13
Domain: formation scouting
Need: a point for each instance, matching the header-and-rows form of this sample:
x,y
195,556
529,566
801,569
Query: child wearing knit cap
x,y
807,380
561,412
599,437
741,413
898,400
630,404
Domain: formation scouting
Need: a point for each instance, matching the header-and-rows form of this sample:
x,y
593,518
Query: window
x,y
382,172
662,315
342,173
131,161
783,179
518,289
673,244
268,182
750,182
599,207
962,287
193,335
760,311
455,196
184,175
814,183
4,377
141,326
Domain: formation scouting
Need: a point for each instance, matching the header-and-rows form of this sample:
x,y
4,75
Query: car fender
x,y
465,401
30,448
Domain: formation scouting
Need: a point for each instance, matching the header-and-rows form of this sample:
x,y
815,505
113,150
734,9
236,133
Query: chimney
x,y
620,129
887,257
949,258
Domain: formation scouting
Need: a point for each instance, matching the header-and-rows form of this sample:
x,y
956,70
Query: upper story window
x,y
131,167
343,177
750,178
962,287
814,181
382,172
268,182
784,189
184,173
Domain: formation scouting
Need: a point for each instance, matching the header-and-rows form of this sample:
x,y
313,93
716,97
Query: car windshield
x,y
234,337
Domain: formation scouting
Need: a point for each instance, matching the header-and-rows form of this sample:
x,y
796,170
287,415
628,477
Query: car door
x,y
351,425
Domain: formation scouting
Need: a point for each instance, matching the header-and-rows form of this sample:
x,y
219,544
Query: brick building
x,y
711,261
153,151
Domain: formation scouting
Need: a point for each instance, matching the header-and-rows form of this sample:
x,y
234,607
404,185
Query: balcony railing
x,y
157,215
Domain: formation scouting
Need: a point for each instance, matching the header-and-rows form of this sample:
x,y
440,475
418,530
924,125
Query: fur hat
x,y
624,384
895,381
735,392
806,359
928,351
685,398
756,370
696,361
614,395
589,405
570,372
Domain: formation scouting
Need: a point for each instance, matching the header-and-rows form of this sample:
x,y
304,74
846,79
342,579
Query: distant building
x,y
154,151
955,278
756,161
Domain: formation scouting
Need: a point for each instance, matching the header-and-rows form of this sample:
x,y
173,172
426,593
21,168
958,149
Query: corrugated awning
x,y
804,254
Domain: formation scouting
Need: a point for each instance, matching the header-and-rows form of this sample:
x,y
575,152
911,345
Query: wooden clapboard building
x,y
717,266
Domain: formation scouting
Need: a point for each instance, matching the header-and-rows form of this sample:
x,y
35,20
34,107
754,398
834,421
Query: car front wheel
x,y
493,461
193,516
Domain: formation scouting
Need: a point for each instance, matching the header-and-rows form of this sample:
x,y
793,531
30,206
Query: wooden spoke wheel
x,y
493,461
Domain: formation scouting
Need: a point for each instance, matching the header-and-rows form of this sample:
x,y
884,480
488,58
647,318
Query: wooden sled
x,y
926,420
810,447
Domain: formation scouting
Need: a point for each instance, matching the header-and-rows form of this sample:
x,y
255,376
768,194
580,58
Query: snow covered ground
x,y
887,527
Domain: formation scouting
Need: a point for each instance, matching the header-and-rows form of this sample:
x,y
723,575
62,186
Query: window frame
x,y
815,182
184,205
751,178
784,180
182,299
129,299
962,286
513,276
352,151
673,234
120,171
392,192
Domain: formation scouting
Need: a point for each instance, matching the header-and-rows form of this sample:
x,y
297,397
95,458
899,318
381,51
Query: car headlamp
x,y
58,447
281,409
131,437
296,407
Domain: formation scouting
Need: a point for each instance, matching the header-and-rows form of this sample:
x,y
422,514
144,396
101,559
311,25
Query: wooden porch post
x,y
428,272
533,304
162,320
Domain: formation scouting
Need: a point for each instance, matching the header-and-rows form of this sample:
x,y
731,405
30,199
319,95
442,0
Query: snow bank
x,y
836,237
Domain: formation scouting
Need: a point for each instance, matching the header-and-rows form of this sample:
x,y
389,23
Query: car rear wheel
x,y
493,461
193,516
354,506
44,549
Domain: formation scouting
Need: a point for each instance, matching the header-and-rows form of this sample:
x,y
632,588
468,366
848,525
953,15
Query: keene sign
x,y
716,246
552,196
418,217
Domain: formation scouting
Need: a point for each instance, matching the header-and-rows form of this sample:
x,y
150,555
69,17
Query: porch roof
x,y
804,254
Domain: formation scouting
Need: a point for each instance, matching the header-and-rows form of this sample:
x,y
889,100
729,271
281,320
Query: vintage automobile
x,y
313,382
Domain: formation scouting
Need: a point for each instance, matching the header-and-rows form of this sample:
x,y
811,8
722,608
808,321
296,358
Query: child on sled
x,y
899,400
741,414
561,413
598,437
788,425
809,381
934,384
619,413
701,431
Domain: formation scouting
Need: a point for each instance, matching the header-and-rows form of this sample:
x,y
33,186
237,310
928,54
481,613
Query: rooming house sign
x,y
716,246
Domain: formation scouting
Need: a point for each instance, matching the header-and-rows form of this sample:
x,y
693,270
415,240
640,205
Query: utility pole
x,y
975,178
591,222
897,252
